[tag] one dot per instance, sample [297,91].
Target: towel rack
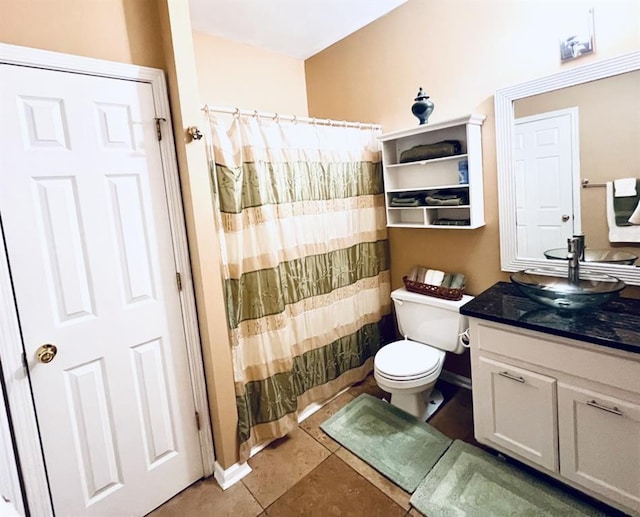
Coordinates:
[586,184]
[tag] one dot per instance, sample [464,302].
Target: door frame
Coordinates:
[18,388]
[574,130]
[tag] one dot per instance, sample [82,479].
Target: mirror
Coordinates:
[597,108]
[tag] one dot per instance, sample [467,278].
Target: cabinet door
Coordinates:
[516,409]
[600,443]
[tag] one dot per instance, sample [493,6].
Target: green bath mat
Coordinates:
[468,481]
[393,442]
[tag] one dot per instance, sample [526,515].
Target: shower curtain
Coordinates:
[306,264]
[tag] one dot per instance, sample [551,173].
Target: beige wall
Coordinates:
[127,31]
[460,52]
[238,75]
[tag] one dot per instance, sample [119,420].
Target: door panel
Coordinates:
[544,183]
[86,225]
[519,411]
[600,443]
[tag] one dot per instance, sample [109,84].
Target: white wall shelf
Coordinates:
[426,177]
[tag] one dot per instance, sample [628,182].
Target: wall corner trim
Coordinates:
[229,477]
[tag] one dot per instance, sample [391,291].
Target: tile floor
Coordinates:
[309,474]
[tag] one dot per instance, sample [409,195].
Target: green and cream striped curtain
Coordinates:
[303,234]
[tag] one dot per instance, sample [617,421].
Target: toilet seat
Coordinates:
[406,360]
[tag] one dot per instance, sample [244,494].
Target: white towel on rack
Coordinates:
[619,233]
[625,187]
[635,216]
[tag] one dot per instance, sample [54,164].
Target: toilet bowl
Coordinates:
[409,368]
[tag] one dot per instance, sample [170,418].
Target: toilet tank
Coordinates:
[433,321]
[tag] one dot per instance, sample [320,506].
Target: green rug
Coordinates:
[468,481]
[398,445]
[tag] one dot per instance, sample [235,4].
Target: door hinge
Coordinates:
[25,363]
[198,420]
[179,281]
[159,127]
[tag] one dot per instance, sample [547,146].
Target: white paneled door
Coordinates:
[86,228]
[544,178]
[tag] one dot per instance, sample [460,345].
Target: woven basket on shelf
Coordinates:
[447,293]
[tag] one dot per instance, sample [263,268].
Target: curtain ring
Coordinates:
[314,121]
[295,119]
[255,114]
[276,118]
[236,113]
[344,123]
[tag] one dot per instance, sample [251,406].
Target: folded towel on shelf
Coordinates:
[443,221]
[406,199]
[445,194]
[431,151]
[456,201]
[618,233]
[625,187]
[624,206]
[404,202]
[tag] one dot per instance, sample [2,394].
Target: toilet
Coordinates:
[410,367]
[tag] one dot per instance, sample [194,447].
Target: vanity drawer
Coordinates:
[606,366]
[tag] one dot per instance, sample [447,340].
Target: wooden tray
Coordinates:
[446,293]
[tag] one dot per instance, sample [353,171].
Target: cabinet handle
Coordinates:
[512,377]
[613,410]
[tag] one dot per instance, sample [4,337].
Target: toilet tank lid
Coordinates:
[408,296]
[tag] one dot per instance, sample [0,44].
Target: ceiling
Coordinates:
[297,28]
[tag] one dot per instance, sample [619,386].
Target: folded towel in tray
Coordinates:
[458,281]
[434,277]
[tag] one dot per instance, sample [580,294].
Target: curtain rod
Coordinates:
[236,112]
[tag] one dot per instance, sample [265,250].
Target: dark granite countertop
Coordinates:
[615,324]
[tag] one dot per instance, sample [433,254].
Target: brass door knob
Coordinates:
[46,353]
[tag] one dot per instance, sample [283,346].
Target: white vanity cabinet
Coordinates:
[568,408]
[600,442]
[518,412]
[427,177]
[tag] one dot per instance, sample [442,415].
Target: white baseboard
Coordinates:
[454,378]
[229,477]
